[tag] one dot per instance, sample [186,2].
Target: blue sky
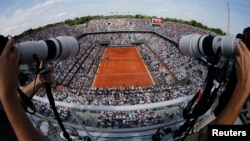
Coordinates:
[17,16]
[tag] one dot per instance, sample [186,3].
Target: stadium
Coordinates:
[128,80]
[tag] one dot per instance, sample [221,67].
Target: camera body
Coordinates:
[59,48]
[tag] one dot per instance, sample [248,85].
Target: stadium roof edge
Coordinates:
[117,32]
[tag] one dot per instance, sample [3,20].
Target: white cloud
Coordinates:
[46,5]
[39,6]
[30,17]
[12,30]
[162,10]
[8,29]
[45,12]
[189,14]
[56,16]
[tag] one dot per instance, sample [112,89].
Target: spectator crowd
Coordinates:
[175,75]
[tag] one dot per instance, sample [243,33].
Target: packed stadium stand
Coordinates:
[124,113]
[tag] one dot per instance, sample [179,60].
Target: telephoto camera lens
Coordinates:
[59,48]
[195,45]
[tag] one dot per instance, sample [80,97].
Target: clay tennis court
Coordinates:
[122,67]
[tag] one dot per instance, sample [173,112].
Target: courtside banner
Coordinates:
[235,132]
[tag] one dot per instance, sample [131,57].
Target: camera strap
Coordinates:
[53,107]
[26,102]
[203,100]
[50,96]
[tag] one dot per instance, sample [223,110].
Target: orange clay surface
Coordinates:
[122,67]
